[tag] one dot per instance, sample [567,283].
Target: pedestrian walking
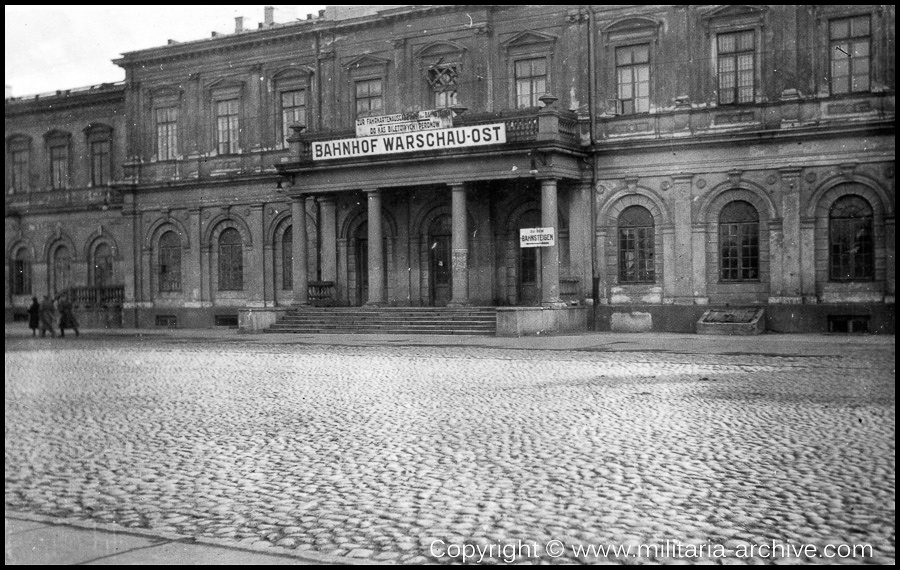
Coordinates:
[48,315]
[34,316]
[67,318]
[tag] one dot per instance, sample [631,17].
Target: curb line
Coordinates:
[305,555]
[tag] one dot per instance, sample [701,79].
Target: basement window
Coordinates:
[230,321]
[848,323]
[166,321]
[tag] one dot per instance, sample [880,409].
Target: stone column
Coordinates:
[328,239]
[683,267]
[792,244]
[460,263]
[376,250]
[130,270]
[550,255]
[257,281]
[191,261]
[300,275]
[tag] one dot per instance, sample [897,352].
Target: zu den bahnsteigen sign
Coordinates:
[537,237]
[457,137]
[403,123]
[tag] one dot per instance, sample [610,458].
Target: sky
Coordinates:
[51,48]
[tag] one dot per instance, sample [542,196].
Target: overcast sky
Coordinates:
[61,47]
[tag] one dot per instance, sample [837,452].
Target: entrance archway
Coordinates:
[441,277]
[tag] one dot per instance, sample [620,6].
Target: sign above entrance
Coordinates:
[537,237]
[403,123]
[458,137]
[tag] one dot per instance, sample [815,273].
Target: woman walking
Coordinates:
[34,316]
[66,316]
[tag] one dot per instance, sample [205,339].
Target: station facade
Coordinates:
[682,157]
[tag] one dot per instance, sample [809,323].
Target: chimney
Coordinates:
[269,15]
[321,13]
[238,24]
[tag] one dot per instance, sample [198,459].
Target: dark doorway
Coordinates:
[440,265]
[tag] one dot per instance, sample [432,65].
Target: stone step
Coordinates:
[388,320]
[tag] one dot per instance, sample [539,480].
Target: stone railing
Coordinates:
[95,296]
[322,293]
[521,126]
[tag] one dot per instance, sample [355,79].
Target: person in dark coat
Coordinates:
[34,316]
[66,316]
[48,315]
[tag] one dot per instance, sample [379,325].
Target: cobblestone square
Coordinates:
[403,452]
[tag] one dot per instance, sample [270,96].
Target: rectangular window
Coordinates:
[531,81]
[100,163]
[736,67]
[167,133]
[18,181]
[851,42]
[739,244]
[443,99]
[636,255]
[59,167]
[633,79]
[369,99]
[293,112]
[227,126]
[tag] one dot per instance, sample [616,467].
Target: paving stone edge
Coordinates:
[306,555]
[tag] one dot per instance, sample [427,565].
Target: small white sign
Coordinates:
[403,123]
[537,237]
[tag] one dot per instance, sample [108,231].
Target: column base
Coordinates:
[459,304]
[553,305]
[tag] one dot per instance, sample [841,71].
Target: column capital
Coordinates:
[457,186]
[326,199]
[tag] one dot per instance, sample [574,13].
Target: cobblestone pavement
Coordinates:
[422,454]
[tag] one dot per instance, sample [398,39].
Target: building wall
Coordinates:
[790,151]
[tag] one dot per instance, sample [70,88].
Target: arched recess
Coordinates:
[20,267]
[61,257]
[223,221]
[819,208]
[280,253]
[151,256]
[520,274]
[609,216]
[710,211]
[354,241]
[103,258]
[431,250]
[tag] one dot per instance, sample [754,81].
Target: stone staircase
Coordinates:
[388,320]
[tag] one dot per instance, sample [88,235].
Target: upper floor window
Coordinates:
[442,78]
[850,240]
[227,126]
[169,269]
[531,81]
[633,79]
[100,162]
[851,42]
[736,66]
[636,246]
[18,165]
[167,133]
[293,111]
[59,166]
[369,97]
[739,242]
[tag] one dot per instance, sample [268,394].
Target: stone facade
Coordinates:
[669,127]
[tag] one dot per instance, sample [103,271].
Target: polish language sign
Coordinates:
[403,123]
[457,137]
[537,237]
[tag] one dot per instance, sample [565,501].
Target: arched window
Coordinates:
[62,269]
[169,262]
[850,240]
[231,261]
[287,259]
[21,273]
[636,263]
[739,242]
[102,270]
